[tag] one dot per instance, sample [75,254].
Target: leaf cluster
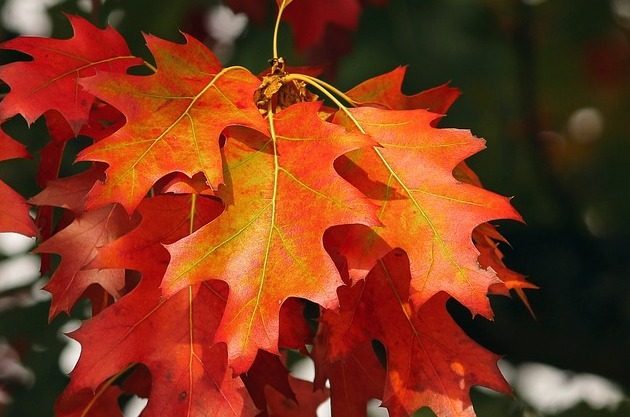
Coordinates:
[220,206]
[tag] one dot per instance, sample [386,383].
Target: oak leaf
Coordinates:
[430,360]
[309,18]
[103,402]
[355,378]
[78,245]
[386,91]
[14,215]
[69,192]
[267,370]
[174,120]
[103,121]
[305,404]
[424,209]
[281,196]
[174,337]
[57,66]
[10,148]
[164,219]
[487,238]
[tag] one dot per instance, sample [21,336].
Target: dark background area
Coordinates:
[546,83]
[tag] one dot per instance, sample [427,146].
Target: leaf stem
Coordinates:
[311,81]
[277,27]
[329,87]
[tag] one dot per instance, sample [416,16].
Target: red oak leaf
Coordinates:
[174,120]
[486,238]
[164,219]
[174,339]
[69,192]
[295,332]
[385,91]
[103,121]
[424,209]
[308,18]
[79,242]
[306,403]
[78,245]
[355,378]
[277,190]
[267,370]
[87,403]
[57,66]
[10,148]
[14,215]
[430,360]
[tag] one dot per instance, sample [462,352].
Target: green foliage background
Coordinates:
[523,69]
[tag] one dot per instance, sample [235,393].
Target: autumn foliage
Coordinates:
[227,219]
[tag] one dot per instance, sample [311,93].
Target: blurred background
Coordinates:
[545,82]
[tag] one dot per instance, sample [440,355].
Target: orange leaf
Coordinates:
[385,90]
[424,209]
[174,120]
[282,194]
[174,339]
[57,66]
[164,219]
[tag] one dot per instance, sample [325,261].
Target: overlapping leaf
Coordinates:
[355,378]
[102,402]
[306,403]
[267,370]
[386,91]
[430,360]
[174,120]
[281,195]
[14,215]
[53,76]
[174,338]
[164,219]
[309,18]
[78,245]
[308,201]
[424,209]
